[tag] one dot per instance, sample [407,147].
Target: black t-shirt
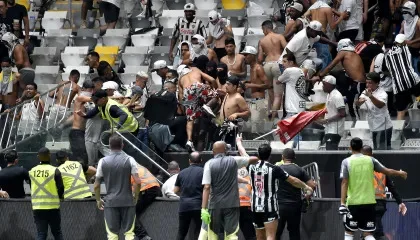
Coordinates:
[368,54]
[6,24]
[189,181]
[17,12]
[287,193]
[11,181]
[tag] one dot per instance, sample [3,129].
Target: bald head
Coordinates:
[219,147]
[195,158]
[367,150]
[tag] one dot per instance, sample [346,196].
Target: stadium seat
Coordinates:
[43,56]
[74,56]
[116,37]
[361,130]
[234,4]
[264,3]
[169,18]
[238,35]
[46,74]
[308,145]
[86,37]
[176,4]
[139,22]
[25,3]
[414,114]
[54,20]
[159,53]
[235,17]
[278,146]
[57,38]
[83,70]
[107,53]
[136,69]
[256,21]
[33,18]
[134,56]
[157,5]
[205,4]
[146,39]
[166,37]
[253,36]
[203,15]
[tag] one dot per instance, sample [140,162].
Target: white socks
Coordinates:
[348,236]
[370,237]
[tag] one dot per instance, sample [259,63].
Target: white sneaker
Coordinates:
[190,146]
[208,110]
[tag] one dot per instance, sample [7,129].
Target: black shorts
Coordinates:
[361,217]
[261,218]
[89,4]
[110,11]
[220,52]
[404,99]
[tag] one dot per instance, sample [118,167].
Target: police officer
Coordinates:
[73,174]
[381,181]
[46,191]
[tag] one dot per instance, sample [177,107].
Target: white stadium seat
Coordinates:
[139,22]
[264,3]
[205,4]
[157,5]
[159,53]
[74,56]
[83,70]
[135,69]
[176,4]
[33,17]
[86,37]
[203,15]
[44,56]
[253,36]
[169,18]
[134,56]
[146,39]
[57,38]
[235,16]
[46,74]
[116,37]
[256,21]
[361,130]
[238,35]
[54,20]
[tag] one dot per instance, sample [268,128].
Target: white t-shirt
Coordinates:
[300,45]
[378,118]
[295,99]
[335,101]
[168,188]
[354,20]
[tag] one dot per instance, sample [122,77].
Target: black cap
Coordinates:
[234,80]
[62,154]
[99,94]
[373,76]
[379,37]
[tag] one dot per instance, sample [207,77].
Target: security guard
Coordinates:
[46,191]
[245,215]
[381,182]
[74,180]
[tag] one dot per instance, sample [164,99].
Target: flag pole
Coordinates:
[262,136]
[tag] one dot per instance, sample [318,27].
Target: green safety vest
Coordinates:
[130,125]
[43,189]
[361,189]
[75,185]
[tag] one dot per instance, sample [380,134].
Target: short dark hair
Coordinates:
[234,80]
[115,142]
[61,155]
[33,84]
[102,67]
[88,84]
[290,57]
[11,156]
[195,157]
[230,41]
[185,43]
[289,154]
[174,72]
[98,79]
[44,154]
[268,24]
[74,72]
[356,144]
[94,54]
[367,149]
[264,151]
[6,59]
[379,37]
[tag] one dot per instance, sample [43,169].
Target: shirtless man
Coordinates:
[234,61]
[193,91]
[258,83]
[63,96]
[272,45]
[219,30]
[410,27]
[77,132]
[19,57]
[233,106]
[296,22]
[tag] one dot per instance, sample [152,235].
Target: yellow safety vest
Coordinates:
[43,189]
[12,76]
[146,178]
[130,125]
[75,185]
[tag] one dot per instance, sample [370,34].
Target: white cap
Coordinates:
[345,45]
[297,6]
[183,70]
[213,15]
[159,65]
[400,38]
[249,50]
[315,25]
[409,7]
[110,85]
[189,7]
[142,74]
[330,79]
[117,95]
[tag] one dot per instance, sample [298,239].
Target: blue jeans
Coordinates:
[45,218]
[414,62]
[143,136]
[323,52]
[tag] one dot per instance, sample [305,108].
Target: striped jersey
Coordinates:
[185,30]
[398,62]
[265,183]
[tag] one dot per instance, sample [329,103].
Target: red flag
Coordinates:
[290,127]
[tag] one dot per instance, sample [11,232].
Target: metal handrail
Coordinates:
[313,172]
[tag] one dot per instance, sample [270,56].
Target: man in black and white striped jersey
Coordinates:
[265,183]
[186,27]
[404,79]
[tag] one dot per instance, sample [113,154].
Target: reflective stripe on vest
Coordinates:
[75,185]
[245,191]
[130,124]
[44,193]
[147,179]
[380,185]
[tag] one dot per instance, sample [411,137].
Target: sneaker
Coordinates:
[83,25]
[208,110]
[189,146]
